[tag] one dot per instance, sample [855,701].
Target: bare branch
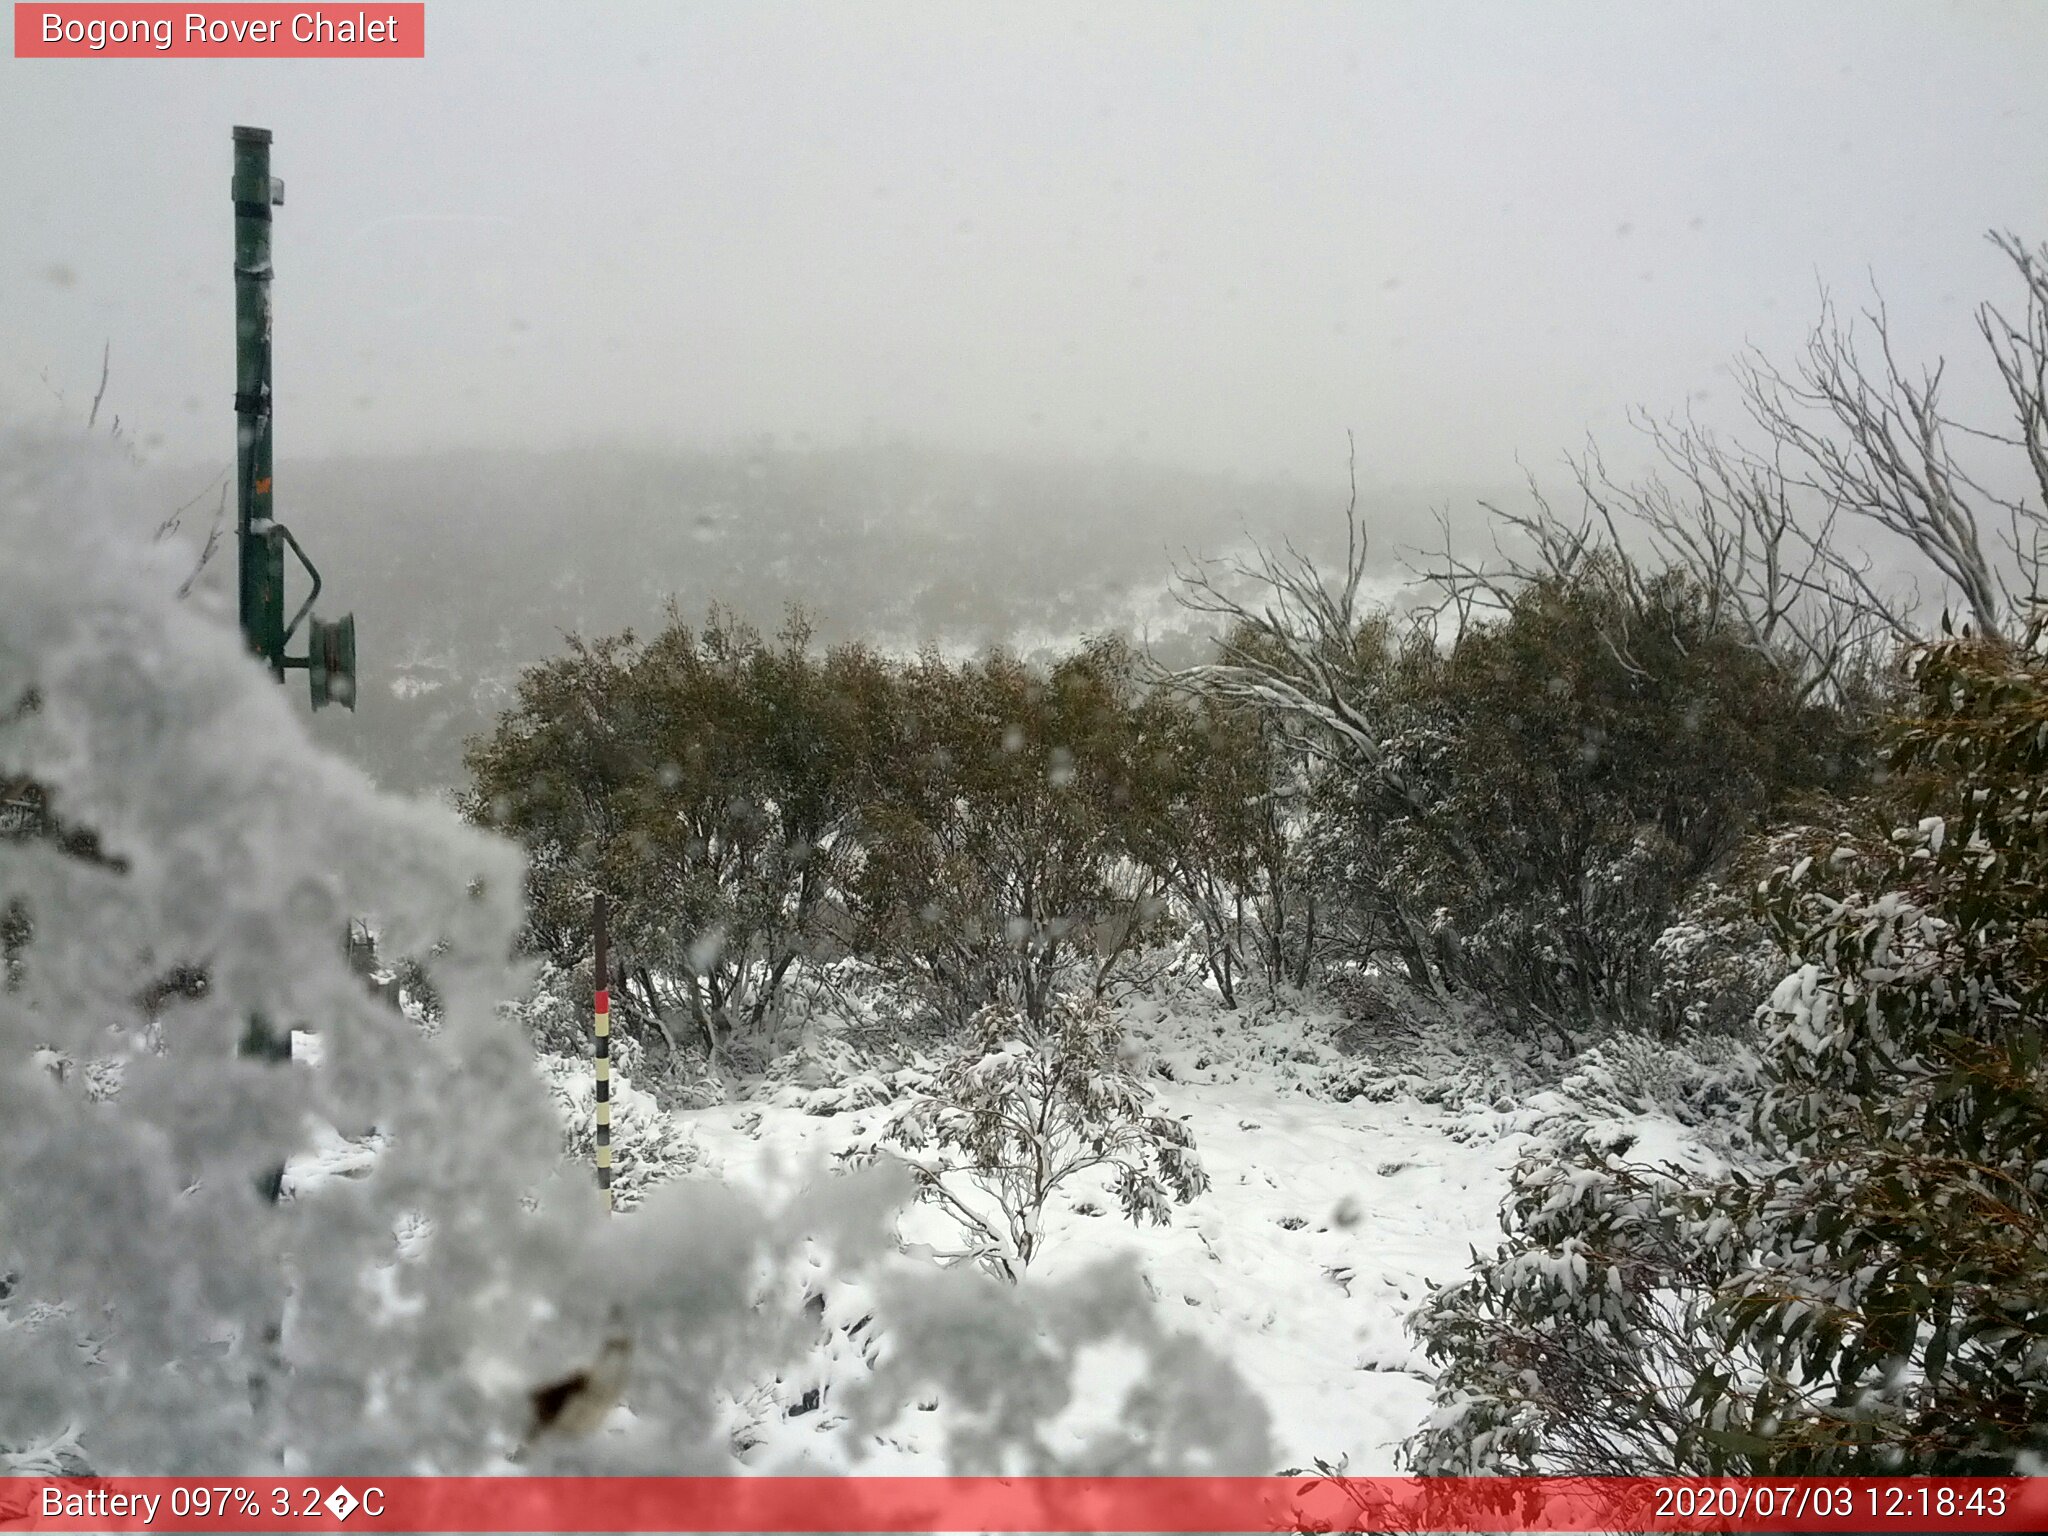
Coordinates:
[106,358]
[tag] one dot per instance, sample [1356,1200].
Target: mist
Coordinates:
[964,324]
[1214,236]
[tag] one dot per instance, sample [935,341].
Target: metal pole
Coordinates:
[261,562]
[261,554]
[602,988]
[260,539]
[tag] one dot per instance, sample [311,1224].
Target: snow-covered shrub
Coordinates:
[1574,1347]
[223,839]
[161,1315]
[1896,1289]
[1468,1062]
[825,1073]
[649,1147]
[1029,1106]
[1382,1013]
[555,1014]
[1709,1081]
[1871,1294]
[1719,960]
[1516,809]
[873,1010]
[1714,965]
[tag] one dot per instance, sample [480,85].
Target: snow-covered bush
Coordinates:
[555,1014]
[222,839]
[1871,1294]
[1707,1082]
[160,1315]
[649,1147]
[1515,808]
[826,1073]
[1714,965]
[1896,1285]
[1574,1347]
[1029,1106]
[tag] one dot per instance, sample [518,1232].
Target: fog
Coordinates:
[1211,236]
[959,325]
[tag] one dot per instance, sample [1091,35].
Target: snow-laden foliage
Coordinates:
[1714,964]
[1029,1106]
[1896,1289]
[555,1014]
[648,1146]
[161,1315]
[1574,1346]
[1870,1294]
[827,1072]
[191,824]
[1512,800]
[1709,1083]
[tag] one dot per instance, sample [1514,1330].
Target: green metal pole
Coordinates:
[260,553]
[260,550]
[260,539]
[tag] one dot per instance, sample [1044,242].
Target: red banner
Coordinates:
[1096,1504]
[260,31]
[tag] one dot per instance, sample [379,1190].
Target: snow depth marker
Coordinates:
[603,1019]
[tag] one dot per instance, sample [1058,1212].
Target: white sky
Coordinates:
[1214,235]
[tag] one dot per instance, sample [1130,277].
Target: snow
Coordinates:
[1325,1223]
[1311,1314]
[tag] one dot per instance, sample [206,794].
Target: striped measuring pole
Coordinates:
[603,1018]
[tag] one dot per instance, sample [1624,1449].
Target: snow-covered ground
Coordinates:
[1342,1184]
[1321,1228]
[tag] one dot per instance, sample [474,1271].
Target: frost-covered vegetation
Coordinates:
[1660,880]
[161,1314]
[1867,1292]
[1028,1108]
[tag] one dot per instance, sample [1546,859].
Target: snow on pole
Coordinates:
[603,1017]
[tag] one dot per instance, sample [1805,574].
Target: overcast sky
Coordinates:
[1212,235]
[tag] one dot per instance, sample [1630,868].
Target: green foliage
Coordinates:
[980,832]
[1541,798]
[1569,772]
[1222,821]
[706,781]
[1873,1297]
[996,829]
[1573,1347]
[1898,1292]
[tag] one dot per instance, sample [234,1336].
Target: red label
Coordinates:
[604,1000]
[900,1505]
[373,31]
